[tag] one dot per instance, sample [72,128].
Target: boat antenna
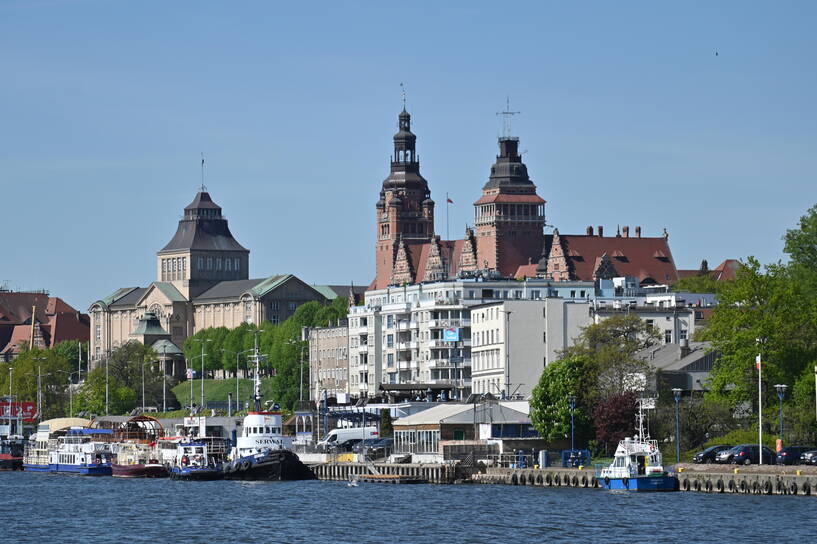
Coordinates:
[257,395]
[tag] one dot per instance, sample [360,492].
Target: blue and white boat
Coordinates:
[194,462]
[82,451]
[637,466]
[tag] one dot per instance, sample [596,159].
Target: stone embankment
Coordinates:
[435,474]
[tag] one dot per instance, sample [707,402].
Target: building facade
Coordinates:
[329,363]
[202,281]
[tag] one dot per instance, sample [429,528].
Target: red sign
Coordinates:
[26,410]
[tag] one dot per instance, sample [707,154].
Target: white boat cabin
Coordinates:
[261,431]
[635,457]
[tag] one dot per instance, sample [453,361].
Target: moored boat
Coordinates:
[135,460]
[11,452]
[193,462]
[637,466]
[82,451]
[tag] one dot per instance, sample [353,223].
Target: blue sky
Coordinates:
[628,117]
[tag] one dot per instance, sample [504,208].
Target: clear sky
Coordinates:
[628,117]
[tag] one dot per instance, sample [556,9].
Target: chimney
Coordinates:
[601,231]
[685,350]
[590,231]
[625,231]
[638,232]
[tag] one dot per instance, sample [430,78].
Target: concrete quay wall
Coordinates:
[435,474]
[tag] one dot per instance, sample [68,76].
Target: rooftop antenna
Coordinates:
[203,187]
[507,115]
[403,93]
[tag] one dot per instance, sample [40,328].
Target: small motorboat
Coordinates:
[194,463]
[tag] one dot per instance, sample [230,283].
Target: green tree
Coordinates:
[702,283]
[91,396]
[550,411]
[53,370]
[386,428]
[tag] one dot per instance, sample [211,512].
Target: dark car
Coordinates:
[708,455]
[749,454]
[809,457]
[375,448]
[791,455]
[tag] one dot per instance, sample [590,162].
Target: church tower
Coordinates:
[203,251]
[510,216]
[405,211]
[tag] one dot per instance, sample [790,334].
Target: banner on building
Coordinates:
[451,334]
[25,410]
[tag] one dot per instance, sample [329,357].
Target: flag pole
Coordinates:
[759,411]
[447,203]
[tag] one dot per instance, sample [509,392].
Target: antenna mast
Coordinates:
[203,187]
[507,115]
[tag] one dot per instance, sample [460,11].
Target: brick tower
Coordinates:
[405,210]
[510,216]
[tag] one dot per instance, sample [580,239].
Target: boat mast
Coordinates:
[257,395]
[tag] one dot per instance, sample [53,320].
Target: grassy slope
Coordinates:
[218,389]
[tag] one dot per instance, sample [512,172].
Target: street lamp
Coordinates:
[203,341]
[294,342]
[571,401]
[781,392]
[143,384]
[677,394]
[237,354]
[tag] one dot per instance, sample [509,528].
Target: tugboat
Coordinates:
[194,463]
[262,452]
[12,443]
[637,465]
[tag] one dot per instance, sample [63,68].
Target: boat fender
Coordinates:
[574,482]
[793,488]
[732,486]
[557,480]
[708,486]
[584,481]
[719,486]
[767,487]
[779,487]
[626,482]
[607,481]
[685,485]
[743,487]
[755,488]
[549,480]
[697,485]
[245,465]
[806,488]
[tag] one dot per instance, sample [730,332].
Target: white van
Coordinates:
[339,437]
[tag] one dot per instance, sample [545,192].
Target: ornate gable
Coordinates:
[604,269]
[468,257]
[435,263]
[558,265]
[402,271]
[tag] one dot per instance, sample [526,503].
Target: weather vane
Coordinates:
[403,93]
[507,115]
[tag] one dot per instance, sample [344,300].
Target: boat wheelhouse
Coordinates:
[194,461]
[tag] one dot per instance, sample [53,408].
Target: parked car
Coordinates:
[375,448]
[748,454]
[791,454]
[725,456]
[809,458]
[708,455]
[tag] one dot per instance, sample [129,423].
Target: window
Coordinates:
[573,294]
[650,324]
[535,294]
[292,306]
[228,264]
[273,305]
[209,263]
[390,341]
[389,321]
[237,264]
[667,336]
[581,293]
[218,263]
[517,294]
[390,359]
[682,334]
[200,263]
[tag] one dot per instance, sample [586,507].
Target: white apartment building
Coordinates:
[421,334]
[514,340]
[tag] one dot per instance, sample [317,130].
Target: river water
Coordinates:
[64,509]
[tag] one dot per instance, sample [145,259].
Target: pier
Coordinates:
[387,472]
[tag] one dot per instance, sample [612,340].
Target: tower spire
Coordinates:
[203,188]
[403,93]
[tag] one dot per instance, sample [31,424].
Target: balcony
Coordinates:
[453,322]
[414,325]
[403,326]
[363,348]
[362,330]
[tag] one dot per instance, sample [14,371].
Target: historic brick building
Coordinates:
[507,239]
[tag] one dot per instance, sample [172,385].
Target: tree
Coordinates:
[53,370]
[702,283]
[612,345]
[550,412]
[615,419]
[801,243]
[386,428]
[91,396]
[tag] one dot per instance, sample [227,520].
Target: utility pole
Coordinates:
[759,410]
[507,391]
[107,364]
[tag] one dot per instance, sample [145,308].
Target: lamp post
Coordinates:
[237,355]
[506,393]
[70,392]
[301,369]
[571,401]
[107,364]
[203,341]
[781,393]
[677,394]
[143,384]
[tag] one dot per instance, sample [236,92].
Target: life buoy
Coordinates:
[626,482]
[767,487]
[185,460]
[97,461]
[719,486]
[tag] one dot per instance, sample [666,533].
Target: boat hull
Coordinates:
[280,465]
[139,471]
[85,470]
[640,483]
[7,462]
[201,474]
[29,467]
